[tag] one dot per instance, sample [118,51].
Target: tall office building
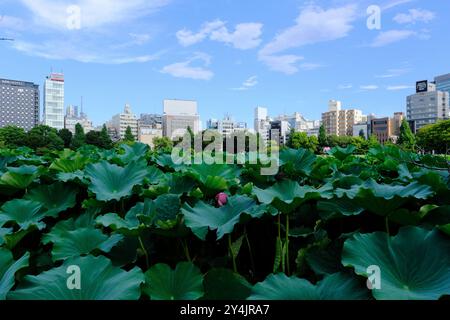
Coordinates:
[54,101]
[338,121]
[262,123]
[443,83]
[179,115]
[19,104]
[120,122]
[427,105]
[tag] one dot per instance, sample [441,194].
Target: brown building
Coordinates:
[387,129]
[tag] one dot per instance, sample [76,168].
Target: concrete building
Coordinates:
[361,126]
[338,121]
[300,124]
[179,115]
[120,122]
[226,126]
[387,129]
[262,124]
[54,101]
[150,126]
[19,104]
[72,118]
[427,105]
[280,131]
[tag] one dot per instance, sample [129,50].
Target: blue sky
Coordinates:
[229,55]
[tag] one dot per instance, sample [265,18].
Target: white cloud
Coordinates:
[345,86]
[394,3]
[185,69]
[369,87]
[415,15]
[313,25]
[282,63]
[187,38]
[94,13]
[67,51]
[391,36]
[392,73]
[11,23]
[247,84]
[245,36]
[399,87]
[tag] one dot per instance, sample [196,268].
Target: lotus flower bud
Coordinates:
[222,199]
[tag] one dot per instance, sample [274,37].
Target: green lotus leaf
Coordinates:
[224,284]
[130,225]
[111,182]
[71,176]
[133,152]
[383,199]
[183,283]
[161,212]
[338,286]
[56,198]
[342,153]
[25,213]
[165,160]
[289,195]
[71,164]
[80,241]
[19,178]
[215,177]
[202,216]
[99,280]
[295,161]
[8,269]
[3,233]
[414,264]
[344,206]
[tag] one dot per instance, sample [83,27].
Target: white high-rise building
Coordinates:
[262,123]
[300,124]
[427,106]
[179,115]
[54,101]
[120,122]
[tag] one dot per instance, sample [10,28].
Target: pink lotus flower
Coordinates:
[222,199]
[326,149]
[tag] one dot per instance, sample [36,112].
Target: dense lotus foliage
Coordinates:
[138,226]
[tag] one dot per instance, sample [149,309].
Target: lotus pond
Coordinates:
[129,224]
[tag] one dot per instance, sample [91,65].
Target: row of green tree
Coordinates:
[45,137]
[431,138]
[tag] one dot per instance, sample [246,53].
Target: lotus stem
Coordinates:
[231,253]
[387,225]
[252,261]
[186,249]
[147,260]
[287,245]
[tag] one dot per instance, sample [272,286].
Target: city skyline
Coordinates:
[232,62]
